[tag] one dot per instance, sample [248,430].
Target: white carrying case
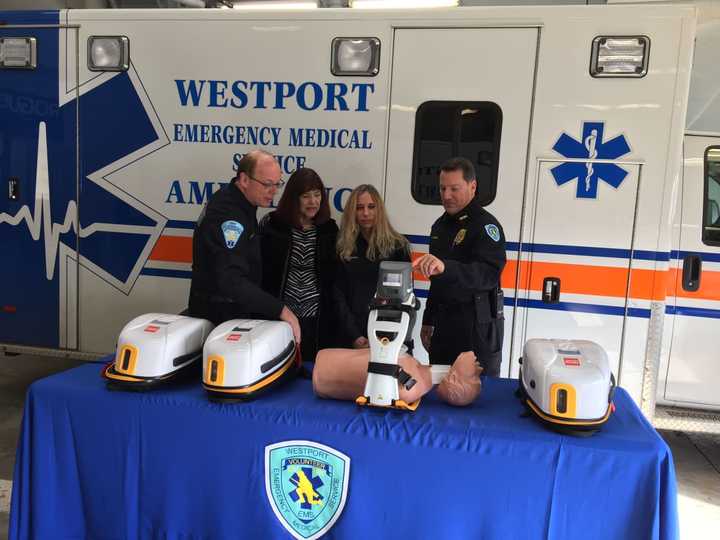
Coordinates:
[155,347]
[244,357]
[567,383]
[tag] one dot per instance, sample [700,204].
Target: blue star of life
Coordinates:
[591,146]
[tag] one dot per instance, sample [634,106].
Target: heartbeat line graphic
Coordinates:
[40,220]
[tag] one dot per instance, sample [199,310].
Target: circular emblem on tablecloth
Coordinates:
[306,484]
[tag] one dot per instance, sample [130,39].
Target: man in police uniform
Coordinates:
[464,309]
[227,268]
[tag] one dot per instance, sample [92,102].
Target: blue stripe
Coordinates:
[561,249]
[161,272]
[418,239]
[178,224]
[585,308]
[693,312]
[578,250]
[638,312]
[567,306]
[642,255]
[704,255]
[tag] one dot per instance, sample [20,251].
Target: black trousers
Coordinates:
[457,330]
[309,337]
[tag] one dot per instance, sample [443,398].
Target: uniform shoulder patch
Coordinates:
[493,231]
[232,230]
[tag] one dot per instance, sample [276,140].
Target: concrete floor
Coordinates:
[697,456]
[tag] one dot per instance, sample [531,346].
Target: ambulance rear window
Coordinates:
[711,212]
[445,129]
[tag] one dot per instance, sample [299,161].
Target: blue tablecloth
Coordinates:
[169,464]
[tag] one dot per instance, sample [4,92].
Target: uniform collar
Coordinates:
[466,213]
[240,198]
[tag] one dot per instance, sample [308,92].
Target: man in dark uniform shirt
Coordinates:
[227,266]
[464,309]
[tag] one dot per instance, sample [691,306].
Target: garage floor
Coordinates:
[697,456]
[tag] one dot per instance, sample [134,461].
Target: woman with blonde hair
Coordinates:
[366,238]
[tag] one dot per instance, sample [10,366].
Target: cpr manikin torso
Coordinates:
[341,374]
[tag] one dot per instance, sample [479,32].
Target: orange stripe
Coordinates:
[574,278]
[580,278]
[584,279]
[172,249]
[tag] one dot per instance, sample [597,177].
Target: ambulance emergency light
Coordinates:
[355,56]
[619,56]
[108,53]
[18,53]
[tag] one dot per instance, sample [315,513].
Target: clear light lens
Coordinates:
[356,56]
[108,53]
[620,56]
[17,52]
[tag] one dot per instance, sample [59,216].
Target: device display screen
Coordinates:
[392,280]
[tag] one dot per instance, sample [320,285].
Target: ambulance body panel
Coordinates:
[588,169]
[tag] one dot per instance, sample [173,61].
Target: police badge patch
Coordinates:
[231,232]
[459,237]
[306,484]
[493,231]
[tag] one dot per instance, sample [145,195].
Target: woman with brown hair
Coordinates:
[299,262]
[366,238]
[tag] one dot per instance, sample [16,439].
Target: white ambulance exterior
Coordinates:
[107,171]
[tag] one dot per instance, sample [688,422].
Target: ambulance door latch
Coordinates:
[692,266]
[551,290]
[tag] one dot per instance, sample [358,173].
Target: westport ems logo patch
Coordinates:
[306,484]
[231,232]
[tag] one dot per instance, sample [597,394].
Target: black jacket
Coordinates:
[354,289]
[276,238]
[471,243]
[227,268]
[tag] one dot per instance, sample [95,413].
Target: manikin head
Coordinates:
[461,385]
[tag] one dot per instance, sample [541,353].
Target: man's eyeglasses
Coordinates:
[266,184]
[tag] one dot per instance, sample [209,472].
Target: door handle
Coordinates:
[551,290]
[692,268]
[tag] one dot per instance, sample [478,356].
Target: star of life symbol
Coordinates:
[112,204]
[590,147]
[306,484]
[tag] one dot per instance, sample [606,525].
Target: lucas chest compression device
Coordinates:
[567,384]
[243,358]
[154,348]
[390,325]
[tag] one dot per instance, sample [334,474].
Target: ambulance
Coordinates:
[116,126]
